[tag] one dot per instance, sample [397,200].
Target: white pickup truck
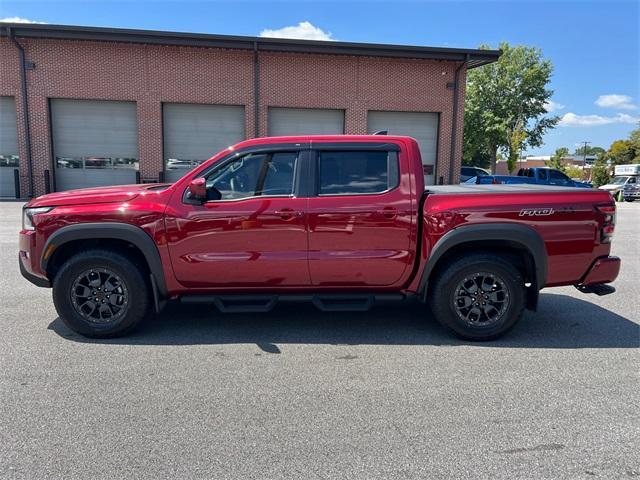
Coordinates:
[626,183]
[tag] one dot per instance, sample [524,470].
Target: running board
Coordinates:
[357,302]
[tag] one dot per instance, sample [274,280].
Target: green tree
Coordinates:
[517,137]
[621,152]
[600,172]
[573,171]
[634,143]
[556,159]
[505,104]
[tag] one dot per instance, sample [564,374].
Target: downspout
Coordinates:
[454,121]
[256,90]
[25,107]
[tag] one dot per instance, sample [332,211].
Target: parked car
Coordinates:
[534,175]
[341,221]
[468,172]
[625,184]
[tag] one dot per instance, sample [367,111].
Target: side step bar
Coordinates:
[599,289]
[357,302]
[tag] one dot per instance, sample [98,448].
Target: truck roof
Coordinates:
[321,138]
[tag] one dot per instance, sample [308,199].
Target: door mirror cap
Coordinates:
[198,189]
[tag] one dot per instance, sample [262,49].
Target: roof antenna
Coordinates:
[381,132]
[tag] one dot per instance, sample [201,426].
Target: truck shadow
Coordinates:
[561,322]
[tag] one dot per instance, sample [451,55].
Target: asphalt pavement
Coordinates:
[296,393]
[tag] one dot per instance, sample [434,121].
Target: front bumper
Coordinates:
[635,194]
[603,270]
[38,281]
[29,259]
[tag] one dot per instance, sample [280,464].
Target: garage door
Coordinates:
[95,143]
[421,126]
[8,146]
[305,121]
[193,133]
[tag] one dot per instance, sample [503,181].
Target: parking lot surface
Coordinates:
[301,394]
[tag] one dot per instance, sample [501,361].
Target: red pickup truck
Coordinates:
[341,221]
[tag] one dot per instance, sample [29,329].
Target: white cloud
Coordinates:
[618,102]
[18,20]
[552,106]
[572,120]
[304,30]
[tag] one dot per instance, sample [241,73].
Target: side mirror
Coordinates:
[198,189]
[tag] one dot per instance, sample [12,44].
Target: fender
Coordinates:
[525,236]
[113,230]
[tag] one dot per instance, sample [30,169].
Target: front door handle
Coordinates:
[288,213]
[388,212]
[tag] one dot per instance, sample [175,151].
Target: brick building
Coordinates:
[83,106]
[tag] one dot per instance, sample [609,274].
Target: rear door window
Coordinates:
[558,176]
[357,172]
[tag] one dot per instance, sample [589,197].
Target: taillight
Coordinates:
[608,223]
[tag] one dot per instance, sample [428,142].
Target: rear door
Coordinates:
[360,216]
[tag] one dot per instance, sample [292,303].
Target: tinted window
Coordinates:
[632,180]
[255,174]
[470,172]
[541,173]
[278,178]
[356,172]
[556,175]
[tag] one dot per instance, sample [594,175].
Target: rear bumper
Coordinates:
[603,270]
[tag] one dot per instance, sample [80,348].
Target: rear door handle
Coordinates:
[288,213]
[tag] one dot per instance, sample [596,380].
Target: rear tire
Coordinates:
[101,294]
[479,296]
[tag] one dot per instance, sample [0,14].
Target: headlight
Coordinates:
[28,213]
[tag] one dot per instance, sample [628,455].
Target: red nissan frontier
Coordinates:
[340,220]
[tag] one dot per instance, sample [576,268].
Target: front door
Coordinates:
[361,219]
[255,235]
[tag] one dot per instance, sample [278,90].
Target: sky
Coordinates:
[594,45]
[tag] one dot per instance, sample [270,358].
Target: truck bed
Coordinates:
[497,188]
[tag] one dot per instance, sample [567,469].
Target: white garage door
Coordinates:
[421,126]
[95,143]
[305,121]
[8,146]
[193,133]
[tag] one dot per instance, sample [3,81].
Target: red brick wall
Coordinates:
[150,75]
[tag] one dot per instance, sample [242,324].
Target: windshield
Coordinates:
[619,180]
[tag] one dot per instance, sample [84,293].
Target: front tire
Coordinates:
[478,296]
[101,294]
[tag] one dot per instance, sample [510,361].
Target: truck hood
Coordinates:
[610,186]
[119,193]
